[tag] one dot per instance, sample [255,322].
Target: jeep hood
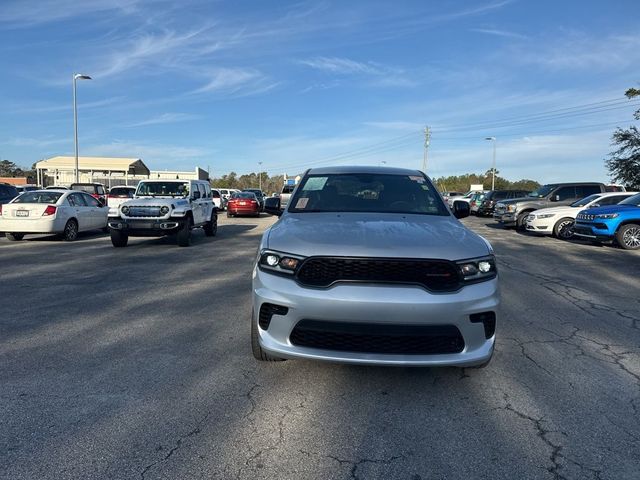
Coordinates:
[157,201]
[375,235]
[612,209]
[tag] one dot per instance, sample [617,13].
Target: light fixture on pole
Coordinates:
[493,164]
[260,174]
[77,76]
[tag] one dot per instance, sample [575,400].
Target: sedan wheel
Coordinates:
[70,232]
[15,237]
[628,236]
[564,228]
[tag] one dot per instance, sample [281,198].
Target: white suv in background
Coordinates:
[558,221]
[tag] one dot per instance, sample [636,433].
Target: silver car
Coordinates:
[368,265]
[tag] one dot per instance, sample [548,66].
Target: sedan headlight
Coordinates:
[124,209]
[478,269]
[279,262]
[605,216]
[545,215]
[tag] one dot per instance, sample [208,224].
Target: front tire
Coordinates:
[211,227]
[14,237]
[521,222]
[184,234]
[562,228]
[119,239]
[258,352]
[70,232]
[628,236]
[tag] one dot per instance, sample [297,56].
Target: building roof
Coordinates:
[132,166]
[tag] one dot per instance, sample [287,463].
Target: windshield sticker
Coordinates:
[302,202]
[416,178]
[315,183]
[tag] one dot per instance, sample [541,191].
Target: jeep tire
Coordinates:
[184,234]
[211,227]
[628,236]
[119,239]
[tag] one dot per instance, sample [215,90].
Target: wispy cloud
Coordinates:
[399,125]
[35,108]
[500,33]
[166,118]
[236,82]
[342,66]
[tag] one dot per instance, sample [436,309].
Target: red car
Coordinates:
[243,203]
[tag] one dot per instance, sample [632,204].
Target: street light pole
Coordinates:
[77,76]
[493,164]
[260,174]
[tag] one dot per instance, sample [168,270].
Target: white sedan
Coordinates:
[558,221]
[64,212]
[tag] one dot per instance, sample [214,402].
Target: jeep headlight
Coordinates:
[279,262]
[606,216]
[125,210]
[164,210]
[545,215]
[478,269]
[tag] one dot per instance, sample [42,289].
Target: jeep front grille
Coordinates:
[146,212]
[585,216]
[434,275]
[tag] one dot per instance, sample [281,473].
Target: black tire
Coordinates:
[521,221]
[229,215]
[562,228]
[211,227]
[70,232]
[105,229]
[258,352]
[184,234]
[119,239]
[628,236]
[14,237]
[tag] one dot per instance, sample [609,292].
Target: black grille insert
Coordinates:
[376,338]
[267,311]
[435,275]
[488,320]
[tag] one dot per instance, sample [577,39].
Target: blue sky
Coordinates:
[228,84]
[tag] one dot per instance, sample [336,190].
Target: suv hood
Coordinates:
[375,235]
[157,201]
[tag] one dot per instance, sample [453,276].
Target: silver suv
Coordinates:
[164,207]
[368,265]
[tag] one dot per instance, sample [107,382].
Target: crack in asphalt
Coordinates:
[179,443]
[355,464]
[574,295]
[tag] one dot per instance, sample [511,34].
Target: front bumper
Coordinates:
[592,231]
[146,227]
[379,304]
[543,226]
[508,218]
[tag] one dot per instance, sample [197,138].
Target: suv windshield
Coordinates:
[635,201]
[542,191]
[586,200]
[169,189]
[368,192]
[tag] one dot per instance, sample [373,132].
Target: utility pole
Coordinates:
[260,173]
[427,141]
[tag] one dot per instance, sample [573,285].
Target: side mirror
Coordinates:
[272,206]
[460,209]
[196,195]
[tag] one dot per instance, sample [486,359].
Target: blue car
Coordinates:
[619,222]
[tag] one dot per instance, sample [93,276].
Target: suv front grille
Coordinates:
[144,211]
[435,275]
[377,338]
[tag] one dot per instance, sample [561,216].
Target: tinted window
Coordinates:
[163,188]
[207,190]
[203,193]
[248,195]
[366,192]
[565,193]
[542,191]
[500,195]
[38,197]
[8,191]
[584,201]
[584,190]
[83,188]
[288,188]
[100,190]
[635,200]
[121,192]
[76,200]
[215,194]
[90,201]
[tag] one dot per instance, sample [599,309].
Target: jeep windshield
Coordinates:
[162,189]
[542,191]
[633,201]
[368,192]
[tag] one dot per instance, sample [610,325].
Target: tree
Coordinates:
[9,169]
[624,163]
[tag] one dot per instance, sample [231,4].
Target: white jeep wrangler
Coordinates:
[165,207]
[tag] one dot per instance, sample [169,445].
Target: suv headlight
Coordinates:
[605,216]
[279,262]
[511,208]
[478,269]
[124,209]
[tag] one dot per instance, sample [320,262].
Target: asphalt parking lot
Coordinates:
[135,363]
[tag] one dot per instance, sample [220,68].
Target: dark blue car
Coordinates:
[619,222]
